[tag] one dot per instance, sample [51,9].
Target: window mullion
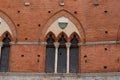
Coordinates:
[1,44]
[68,56]
[56,44]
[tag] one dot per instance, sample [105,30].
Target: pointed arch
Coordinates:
[62,34]
[52,34]
[74,34]
[10,23]
[68,15]
[4,35]
[62,56]
[50,52]
[5,52]
[74,52]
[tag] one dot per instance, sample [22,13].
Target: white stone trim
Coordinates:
[4,27]
[99,43]
[56,56]
[1,44]
[29,43]
[70,28]
[68,56]
[81,43]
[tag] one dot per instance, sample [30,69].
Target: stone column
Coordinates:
[1,44]
[56,56]
[68,56]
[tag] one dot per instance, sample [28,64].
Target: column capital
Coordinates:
[1,43]
[56,44]
[68,44]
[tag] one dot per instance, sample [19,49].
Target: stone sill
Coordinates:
[60,74]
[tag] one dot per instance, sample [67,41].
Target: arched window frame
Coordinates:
[62,50]
[77,37]
[6,44]
[60,35]
[74,52]
[50,55]
[53,35]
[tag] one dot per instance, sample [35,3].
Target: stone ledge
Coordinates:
[60,74]
[44,76]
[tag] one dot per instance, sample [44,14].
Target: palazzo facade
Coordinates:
[68,36]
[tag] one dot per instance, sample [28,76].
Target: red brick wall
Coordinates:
[30,58]
[91,21]
[92,58]
[98,57]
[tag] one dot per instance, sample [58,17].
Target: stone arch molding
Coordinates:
[7,25]
[73,26]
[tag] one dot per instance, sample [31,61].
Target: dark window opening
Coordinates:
[50,54]
[62,55]
[5,54]
[74,50]
[62,40]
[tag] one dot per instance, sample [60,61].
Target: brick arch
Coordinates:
[77,36]
[68,15]
[10,23]
[50,33]
[60,34]
[9,35]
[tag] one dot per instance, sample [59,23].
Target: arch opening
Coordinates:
[5,51]
[50,54]
[7,25]
[68,33]
[74,53]
[73,25]
[62,56]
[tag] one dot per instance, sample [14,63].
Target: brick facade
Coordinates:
[96,23]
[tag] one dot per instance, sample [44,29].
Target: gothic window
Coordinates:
[5,54]
[50,54]
[74,50]
[65,53]
[62,56]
